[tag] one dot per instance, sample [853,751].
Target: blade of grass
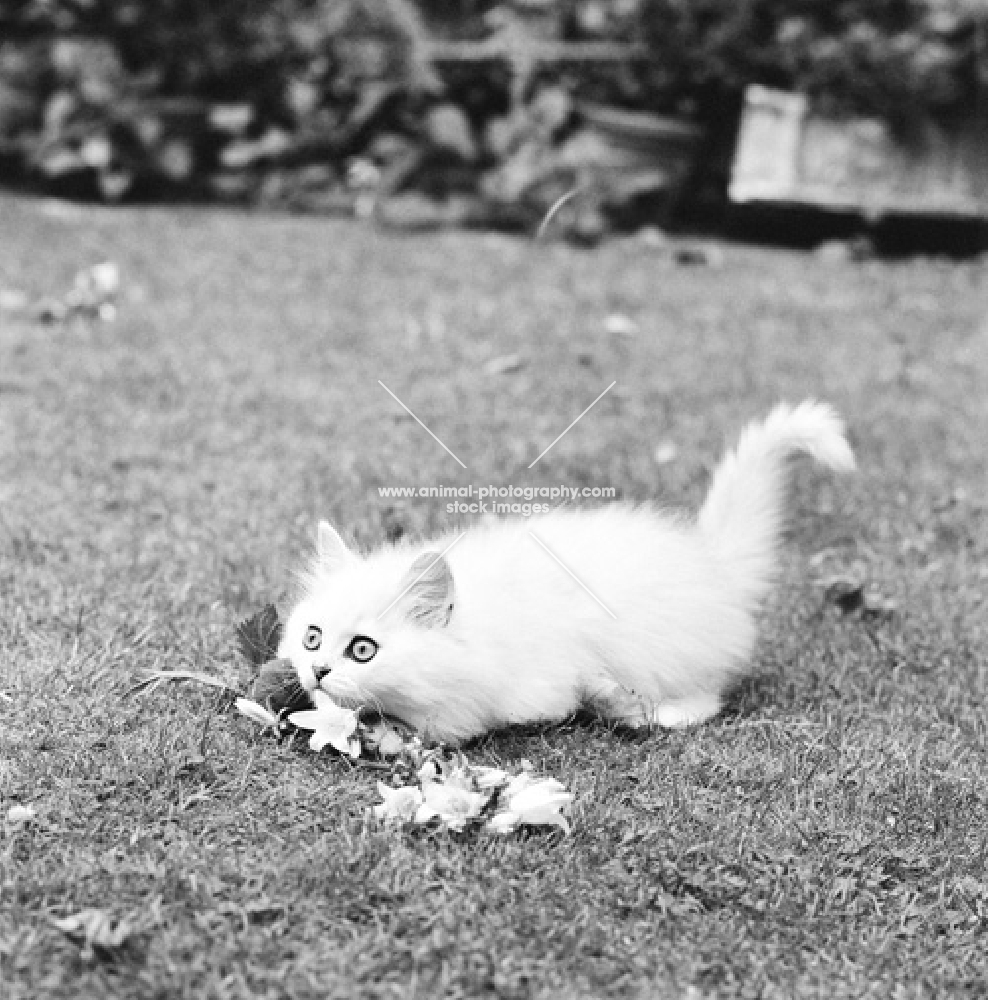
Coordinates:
[156,677]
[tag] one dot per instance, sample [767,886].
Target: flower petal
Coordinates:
[429,771]
[399,805]
[424,813]
[391,744]
[330,724]
[503,822]
[454,804]
[489,777]
[539,802]
[255,711]
[536,797]
[322,700]
[305,719]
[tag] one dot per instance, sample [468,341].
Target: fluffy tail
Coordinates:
[743,514]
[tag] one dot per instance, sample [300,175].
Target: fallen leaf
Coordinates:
[50,311]
[846,251]
[852,596]
[697,255]
[91,295]
[505,364]
[654,238]
[846,592]
[620,325]
[12,300]
[63,211]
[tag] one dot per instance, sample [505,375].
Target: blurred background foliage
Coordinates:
[240,98]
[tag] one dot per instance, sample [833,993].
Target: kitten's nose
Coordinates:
[321,672]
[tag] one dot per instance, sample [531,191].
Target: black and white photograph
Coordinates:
[493,499]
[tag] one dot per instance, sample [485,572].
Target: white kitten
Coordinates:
[648,622]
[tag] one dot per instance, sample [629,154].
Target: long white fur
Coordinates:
[526,642]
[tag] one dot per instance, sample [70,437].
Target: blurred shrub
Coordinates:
[115,96]
[106,96]
[893,58]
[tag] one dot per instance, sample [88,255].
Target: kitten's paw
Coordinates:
[612,701]
[686,711]
[627,707]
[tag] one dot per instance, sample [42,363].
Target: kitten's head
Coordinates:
[372,631]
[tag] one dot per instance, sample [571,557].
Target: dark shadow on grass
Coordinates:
[513,740]
[749,697]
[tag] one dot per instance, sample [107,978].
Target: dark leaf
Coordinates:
[258,636]
[852,596]
[277,687]
[847,594]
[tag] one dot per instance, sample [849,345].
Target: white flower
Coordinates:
[461,776]
[453,804]
[400,804]
[257,712]
[503,822]
[532,802]
[330,724]
[441,765]
[391,744]
[489,777]
[381,737]
[429,771]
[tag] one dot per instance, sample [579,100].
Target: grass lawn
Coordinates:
[161,475]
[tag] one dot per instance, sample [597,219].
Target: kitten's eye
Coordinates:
[361,649]
[313,637]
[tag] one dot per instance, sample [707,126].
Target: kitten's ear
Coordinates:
[331,550]
[428,599]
